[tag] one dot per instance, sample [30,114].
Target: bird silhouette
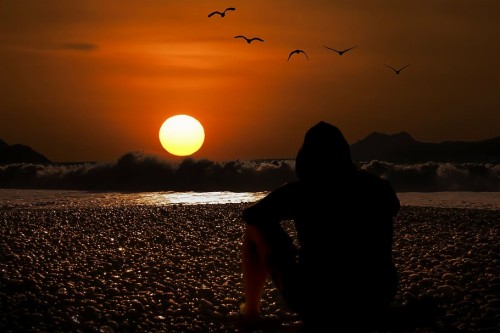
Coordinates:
[222,14]
[397,71]
[341,52]
[249,40]
[297,52]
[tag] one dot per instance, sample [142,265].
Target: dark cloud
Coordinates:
[84,47]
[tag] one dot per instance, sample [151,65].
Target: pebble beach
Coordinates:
[177,269]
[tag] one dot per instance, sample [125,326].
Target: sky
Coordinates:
[87,80]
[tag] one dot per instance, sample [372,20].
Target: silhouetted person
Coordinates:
[342,273]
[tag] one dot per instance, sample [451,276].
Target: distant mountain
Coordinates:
[403,148]
[18,153]
[397,148]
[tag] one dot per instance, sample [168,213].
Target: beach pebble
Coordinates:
[177,269]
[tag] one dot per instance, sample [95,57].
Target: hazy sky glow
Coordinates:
[91,80]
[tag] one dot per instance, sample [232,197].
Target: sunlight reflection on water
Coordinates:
[196,198]
[13,198]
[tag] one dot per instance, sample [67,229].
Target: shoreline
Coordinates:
[176,268]
[45,199]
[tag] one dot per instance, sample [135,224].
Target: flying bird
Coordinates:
[397,70]
[341,52]
[222,14]
[249,40]
[297,52]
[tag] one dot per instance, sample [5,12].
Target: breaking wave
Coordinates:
[141,172]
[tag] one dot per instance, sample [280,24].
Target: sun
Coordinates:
[182,135]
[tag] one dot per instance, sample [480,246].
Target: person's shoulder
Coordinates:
[289,185]
[380,190]
[284,191]
[369,177]
[372,180]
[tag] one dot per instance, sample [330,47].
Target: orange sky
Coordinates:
[87,80]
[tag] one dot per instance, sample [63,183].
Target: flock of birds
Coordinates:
[340,52]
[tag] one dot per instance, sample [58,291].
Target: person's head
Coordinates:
[325,153]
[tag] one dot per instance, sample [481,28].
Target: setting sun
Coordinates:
[181,135]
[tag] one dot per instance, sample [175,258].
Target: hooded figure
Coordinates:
[343,218]
[324,153]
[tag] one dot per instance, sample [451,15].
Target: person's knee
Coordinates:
[254,242]
[254,237]
[252,232]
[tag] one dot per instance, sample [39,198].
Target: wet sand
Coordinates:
[177,269]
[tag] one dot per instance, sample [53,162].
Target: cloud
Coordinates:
[83,47]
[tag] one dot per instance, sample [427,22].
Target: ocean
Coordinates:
[141,179]
[29,199]
[136,172]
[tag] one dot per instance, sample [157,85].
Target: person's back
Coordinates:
[343,219]
[345,234]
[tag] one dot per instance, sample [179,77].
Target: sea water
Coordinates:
[19,199]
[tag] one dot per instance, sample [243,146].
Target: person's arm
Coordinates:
[391,200]
[271,209]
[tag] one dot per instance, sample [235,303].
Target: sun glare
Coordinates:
[182,135]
